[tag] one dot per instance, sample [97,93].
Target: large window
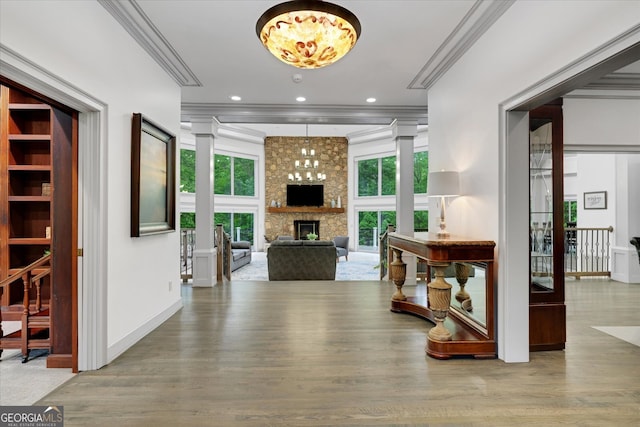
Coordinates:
[373,223]
[239,225]
[420,172]
[187,171]
[233,176]
[235,173]
[222,174]
[377,177]
[187,220]
[570,212]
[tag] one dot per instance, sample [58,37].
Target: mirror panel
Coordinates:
[469,292]
[541,205]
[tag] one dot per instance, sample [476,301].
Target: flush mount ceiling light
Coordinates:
[308,33]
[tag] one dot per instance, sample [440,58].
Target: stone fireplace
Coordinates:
[302,227]
[280,155]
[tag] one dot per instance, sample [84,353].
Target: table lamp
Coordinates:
[443,184]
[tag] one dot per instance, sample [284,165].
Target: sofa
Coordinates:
[240,254]
[301,260]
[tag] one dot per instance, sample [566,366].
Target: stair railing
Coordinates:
[383,250]
[587,251]
[29,277]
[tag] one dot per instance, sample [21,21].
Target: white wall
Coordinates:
[529,43]
[591,123]
[81,44]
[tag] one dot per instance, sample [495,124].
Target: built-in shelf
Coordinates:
[302,209]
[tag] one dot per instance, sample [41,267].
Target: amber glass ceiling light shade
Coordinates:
[308,33]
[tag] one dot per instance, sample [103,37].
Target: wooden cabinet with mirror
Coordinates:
[547,311]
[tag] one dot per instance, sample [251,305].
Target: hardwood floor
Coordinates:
[332,354]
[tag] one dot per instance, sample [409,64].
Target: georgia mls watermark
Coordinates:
[31,416]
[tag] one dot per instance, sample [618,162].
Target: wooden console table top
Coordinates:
[428,246]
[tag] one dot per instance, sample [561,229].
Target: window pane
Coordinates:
[367,220]
[243,177]
[245,222]
[187,171]
[420,172]
[223,218]
[368,177]
[388,176]
[387,218]
[420,220]
[187,220]
[222,174]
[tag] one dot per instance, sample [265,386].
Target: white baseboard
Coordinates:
[127,342]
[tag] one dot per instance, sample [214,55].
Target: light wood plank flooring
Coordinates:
[332,354]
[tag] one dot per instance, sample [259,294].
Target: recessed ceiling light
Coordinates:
[235,98]
[371,100]
[301,99]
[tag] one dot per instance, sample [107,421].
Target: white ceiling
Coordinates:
[211,49]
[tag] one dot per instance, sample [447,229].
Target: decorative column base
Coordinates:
[204,268]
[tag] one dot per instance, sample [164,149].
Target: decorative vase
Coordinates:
[339,202]
[333,203]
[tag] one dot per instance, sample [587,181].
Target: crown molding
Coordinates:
[311,114]
[616,81]
[475,23]
[130,15]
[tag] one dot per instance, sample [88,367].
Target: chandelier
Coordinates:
[308,33]
[308,168]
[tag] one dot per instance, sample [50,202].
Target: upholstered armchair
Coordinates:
[342,247]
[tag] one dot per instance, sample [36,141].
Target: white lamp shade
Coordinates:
[443,184]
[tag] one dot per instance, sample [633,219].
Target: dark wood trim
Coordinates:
[304,209]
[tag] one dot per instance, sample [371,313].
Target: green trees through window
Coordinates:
[377,177]
[235,173]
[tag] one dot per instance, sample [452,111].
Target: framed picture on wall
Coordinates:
[153,172]
[595,200]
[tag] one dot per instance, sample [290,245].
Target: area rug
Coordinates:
[630,334]
[361,266]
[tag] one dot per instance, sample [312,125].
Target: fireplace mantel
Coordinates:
[309,209]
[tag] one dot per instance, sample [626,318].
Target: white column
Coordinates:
[405,133]
[204,254]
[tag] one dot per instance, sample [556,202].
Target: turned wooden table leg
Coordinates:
[398,270]
[462,275]
[439,300]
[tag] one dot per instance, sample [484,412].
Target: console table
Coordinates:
[457,332]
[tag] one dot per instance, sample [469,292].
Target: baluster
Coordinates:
[38,296]
[26,281]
